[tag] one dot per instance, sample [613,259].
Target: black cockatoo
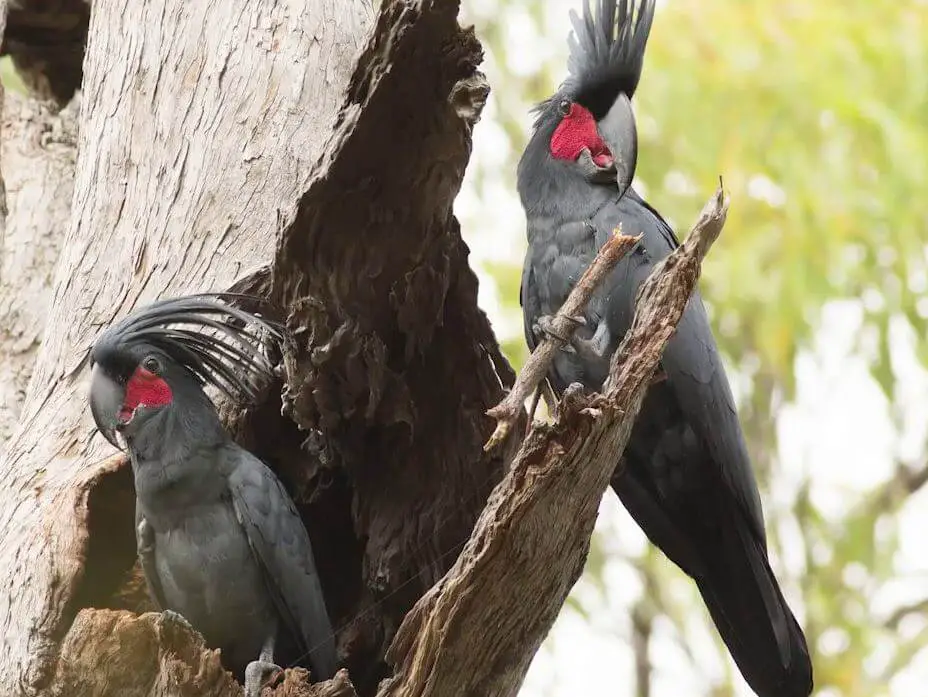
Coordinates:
[219,539]
[685,475]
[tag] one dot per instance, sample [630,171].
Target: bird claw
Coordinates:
[145,538]
[256,676]
[544,328]
[175,618]
[588,348]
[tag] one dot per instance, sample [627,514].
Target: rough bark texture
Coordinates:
[110,652]
[38,149]
[393,361]
[200,123]
[207,134]
[200,127]
[467,636]
[119,653]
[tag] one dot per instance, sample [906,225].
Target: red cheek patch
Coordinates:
[576,131]
[144,388]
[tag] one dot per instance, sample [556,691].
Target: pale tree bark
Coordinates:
[38,148]
[199,128]
[200,122]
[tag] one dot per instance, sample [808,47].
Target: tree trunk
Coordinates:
[37,152]
[300,150]
[206,137]
[38,149]
[201,123]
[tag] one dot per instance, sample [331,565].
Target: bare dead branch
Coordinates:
[469,634]
[532,409]
[892,493]
[903,655]
[509,410]
[919,607]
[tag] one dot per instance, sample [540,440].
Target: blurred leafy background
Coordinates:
[816,114]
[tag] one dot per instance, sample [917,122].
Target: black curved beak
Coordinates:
[618,130]
[106,399]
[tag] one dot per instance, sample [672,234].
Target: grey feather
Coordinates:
[145,544]
[687,478]
[282,548]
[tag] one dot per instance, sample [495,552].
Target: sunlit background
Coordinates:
[816,114]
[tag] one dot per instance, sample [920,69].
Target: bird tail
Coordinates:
[751,614]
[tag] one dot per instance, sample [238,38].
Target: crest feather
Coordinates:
[220,344]
[606,55]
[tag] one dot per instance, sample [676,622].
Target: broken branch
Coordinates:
[563,326]
[471,634]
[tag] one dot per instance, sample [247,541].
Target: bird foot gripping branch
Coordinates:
[562,326]
[703,234]
[545,325]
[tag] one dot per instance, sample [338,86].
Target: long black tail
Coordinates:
[718,549]
[751,614]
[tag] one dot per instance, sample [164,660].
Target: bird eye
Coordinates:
[564,107]
[152,365]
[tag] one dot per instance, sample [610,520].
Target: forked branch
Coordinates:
[563,325]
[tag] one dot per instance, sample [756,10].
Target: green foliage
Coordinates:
[816,115]
[9,78]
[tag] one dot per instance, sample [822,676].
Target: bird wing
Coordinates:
[145,544]
[557,257]
[529,302]
[694,369]
[691,359]
[282,548]
[689,484]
